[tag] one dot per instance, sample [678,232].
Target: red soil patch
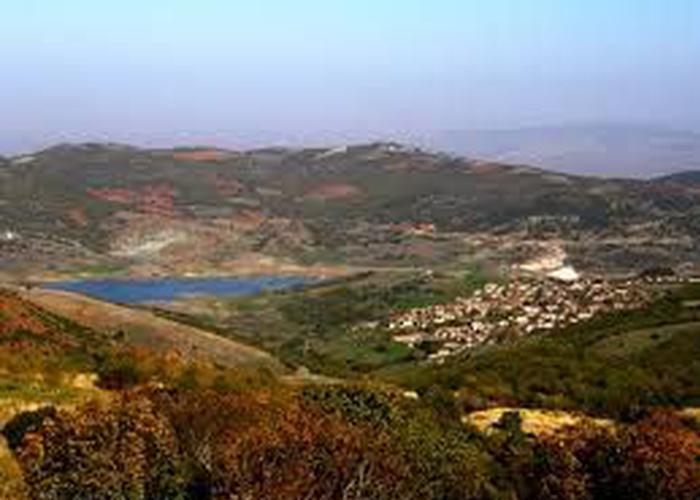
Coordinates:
[77,217]
[201,155]
[486,168]
[158,200]
[248,219]
[334,192]
[114,195]
[225,186]
[155,199]
[406,166]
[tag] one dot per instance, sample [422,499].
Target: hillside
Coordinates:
[616,364]
[607,150]
[100,208]
[140,328]
[170,402]
[688,177]
[161,427]
[25,328]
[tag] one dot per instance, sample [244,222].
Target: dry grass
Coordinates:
[12,485]
[145,329]
[693,413]
[534,421]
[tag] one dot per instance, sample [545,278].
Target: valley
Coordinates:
[360,250]
[475,313]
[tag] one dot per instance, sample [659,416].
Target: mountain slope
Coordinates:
[110,208]
[142,328]
[607,150]
[690,176]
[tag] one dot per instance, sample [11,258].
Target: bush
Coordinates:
[116,450]
[24,423]
[657,457]
[444,459]
[199,419]
[264,444]
[120,370]
[297,454]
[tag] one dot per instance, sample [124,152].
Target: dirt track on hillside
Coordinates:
[143,328]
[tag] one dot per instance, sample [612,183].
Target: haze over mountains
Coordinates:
[609,150]
[600,149]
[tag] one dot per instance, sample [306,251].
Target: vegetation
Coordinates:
[333,329]
[364,206]
[615,365]
[120,450]
[343,441]
[162,425]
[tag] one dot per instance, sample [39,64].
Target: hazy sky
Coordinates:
[174,70]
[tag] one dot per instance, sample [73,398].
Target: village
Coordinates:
[499,312]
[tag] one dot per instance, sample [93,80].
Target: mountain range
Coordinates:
[197,210]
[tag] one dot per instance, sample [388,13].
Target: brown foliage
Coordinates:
[199,418]
[292,453]
[264,444]
[661,459]
[658,457]
[564,461]
[270,442]
[116,450]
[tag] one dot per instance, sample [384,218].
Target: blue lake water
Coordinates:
[168,289]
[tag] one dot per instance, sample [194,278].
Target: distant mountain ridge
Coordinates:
[692,176]
[603,150]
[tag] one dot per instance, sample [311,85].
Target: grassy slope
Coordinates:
[143,328]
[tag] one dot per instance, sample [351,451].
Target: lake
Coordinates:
[140,291]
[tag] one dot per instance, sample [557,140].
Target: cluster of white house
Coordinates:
[501,311]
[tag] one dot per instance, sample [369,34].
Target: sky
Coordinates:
[234,71]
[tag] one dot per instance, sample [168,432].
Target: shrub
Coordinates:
[297,454]
[443,458]
[199,419]
[659,458]
[120,370]
[116,450]
[24,423]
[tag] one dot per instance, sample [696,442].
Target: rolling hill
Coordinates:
[106,208]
